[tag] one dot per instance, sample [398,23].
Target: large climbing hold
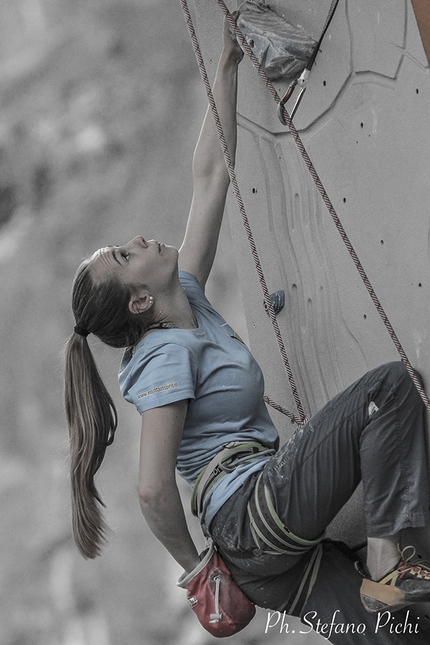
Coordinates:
[283,49]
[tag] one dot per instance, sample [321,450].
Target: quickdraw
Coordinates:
[302,82]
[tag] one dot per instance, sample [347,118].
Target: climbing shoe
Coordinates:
[407,584]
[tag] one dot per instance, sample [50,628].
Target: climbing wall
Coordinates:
[364,121]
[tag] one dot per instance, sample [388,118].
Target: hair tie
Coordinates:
[81,331]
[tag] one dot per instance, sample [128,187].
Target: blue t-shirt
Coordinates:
[212,368]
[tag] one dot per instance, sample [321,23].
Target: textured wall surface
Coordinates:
[364,121]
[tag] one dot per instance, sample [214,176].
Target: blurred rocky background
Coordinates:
[100,106]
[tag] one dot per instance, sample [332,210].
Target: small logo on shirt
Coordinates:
[230,332]
[159,388]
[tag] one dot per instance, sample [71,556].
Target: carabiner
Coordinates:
[302,82]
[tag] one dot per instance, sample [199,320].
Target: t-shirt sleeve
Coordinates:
[165,374]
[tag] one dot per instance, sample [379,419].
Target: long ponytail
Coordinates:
[92,420]
[102,309]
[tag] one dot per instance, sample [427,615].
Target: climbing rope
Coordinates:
[303,417]
[330,206]
[321,190]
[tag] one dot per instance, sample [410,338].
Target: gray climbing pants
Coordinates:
[372,432]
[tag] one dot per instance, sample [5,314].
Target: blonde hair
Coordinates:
[101,309]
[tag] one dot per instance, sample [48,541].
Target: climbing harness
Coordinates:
[298,600]
[287,119]
[273,538]
[268,531]
[224,462]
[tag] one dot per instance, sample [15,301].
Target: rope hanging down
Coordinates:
[303,417]
[322,192]
[329,206]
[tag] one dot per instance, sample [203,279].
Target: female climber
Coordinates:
[200,395]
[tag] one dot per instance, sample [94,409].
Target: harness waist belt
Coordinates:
[224,462]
